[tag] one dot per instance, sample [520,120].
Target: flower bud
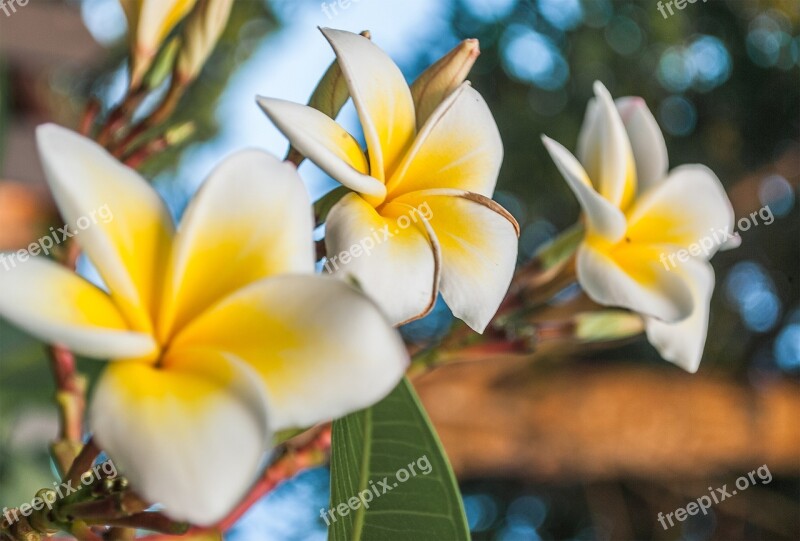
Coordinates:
[439,80]
[162,66]
[202,32]
[607,325]
[149,23]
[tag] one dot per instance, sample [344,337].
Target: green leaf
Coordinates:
[379,447]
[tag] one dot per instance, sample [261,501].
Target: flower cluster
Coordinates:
[220,333]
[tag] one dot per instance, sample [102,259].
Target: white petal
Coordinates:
[459,147]
[381,96]
[603,218]
[251,219]
[605,151]
[325,143]
[397,266]
[634,277]
[689,207]
[647,142]
[322,349]
[190,437]
[58,307]
[682,342]
[128,231]
[478,241]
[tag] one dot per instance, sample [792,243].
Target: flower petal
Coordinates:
[250,220]
[478,241]
[682,342]
[325,143]
[690,206]
[605,150]
[396,266]
[632,276]
[130,246]
[381,96]
[322,349]
[190,438]
[58,307]
[647,142]
[459,147]
[603,218]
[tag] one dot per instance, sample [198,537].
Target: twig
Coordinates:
[70,397]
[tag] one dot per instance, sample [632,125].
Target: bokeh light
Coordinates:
[677,116]
[532,57]
[752,292]
[562,14]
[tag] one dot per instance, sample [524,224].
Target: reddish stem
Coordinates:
[89,116]
[69,388]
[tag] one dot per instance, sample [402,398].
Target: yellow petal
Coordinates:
[122,224]
[605,150]
[388,254]
[190,438]
[434,84]
[325,143]
[682,342]
[689,207]
[478,242]
[459,148]
[58,307]
[322,349]
[250,220]
[633,277]
[381,96]
[603,219]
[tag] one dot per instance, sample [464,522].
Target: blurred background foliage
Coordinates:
[722,78]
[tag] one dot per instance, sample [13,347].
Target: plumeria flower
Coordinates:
[463,245]
[636,213]
[219,333]
[149,23]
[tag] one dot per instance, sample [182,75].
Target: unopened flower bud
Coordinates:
[607,325]
[202,32]
[439,80]
[149,23]
[163,65]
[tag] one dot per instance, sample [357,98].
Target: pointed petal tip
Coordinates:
[50,133]
[265,102]
[331,33]
[600,89]
[473,45]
